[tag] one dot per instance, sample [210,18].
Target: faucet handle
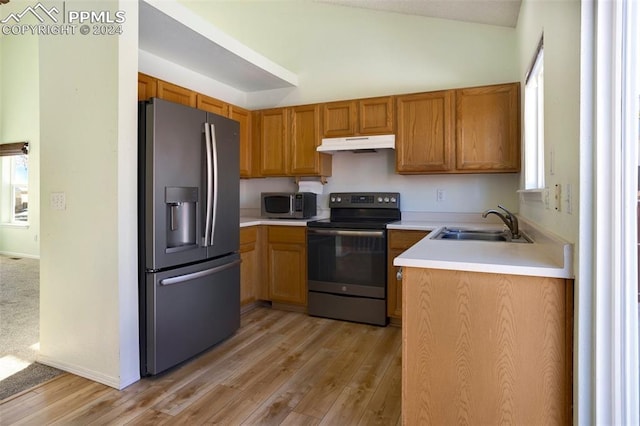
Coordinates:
[505,209]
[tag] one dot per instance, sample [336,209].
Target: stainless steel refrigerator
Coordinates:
[188,209]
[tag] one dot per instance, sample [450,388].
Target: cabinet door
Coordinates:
[376,116]
[467,337]
[147,87]
[398,242]
[425,132]
[216,106]
[274,142]
[488,128]
[249,268]
[287,264]
[243,117]
[305,138]
[340,119]
[178,94]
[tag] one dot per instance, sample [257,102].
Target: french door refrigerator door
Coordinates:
[188,310]
[222,221]
[174,184]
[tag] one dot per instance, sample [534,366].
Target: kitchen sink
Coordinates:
[479,235]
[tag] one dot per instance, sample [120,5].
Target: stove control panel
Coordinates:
[369,200]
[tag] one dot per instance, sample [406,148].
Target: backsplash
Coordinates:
[376,172]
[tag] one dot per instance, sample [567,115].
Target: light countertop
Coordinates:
[548,256]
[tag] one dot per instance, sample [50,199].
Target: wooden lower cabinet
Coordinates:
[482,348]
[250,266]
[287,264]
[398,241]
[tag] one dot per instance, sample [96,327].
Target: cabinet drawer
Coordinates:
[248,235]
[405,239]
[287,234]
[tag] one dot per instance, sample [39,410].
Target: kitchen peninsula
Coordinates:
[487,331]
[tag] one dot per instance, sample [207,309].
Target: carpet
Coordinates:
[19,326]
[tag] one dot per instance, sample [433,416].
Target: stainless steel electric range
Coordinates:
[347,257]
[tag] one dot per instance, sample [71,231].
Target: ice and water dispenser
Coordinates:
[181,205]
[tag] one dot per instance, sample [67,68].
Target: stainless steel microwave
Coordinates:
[288,205]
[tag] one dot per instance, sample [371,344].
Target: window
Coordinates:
[15,183]
[534,122]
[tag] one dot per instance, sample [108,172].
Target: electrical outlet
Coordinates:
[58,201]
[558,197]
[440,195]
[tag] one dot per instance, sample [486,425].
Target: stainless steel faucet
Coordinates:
[509,219]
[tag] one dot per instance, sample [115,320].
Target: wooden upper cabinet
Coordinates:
[147,87]
[340,119]
[274,142]
[371,116]
[174,93]
[305,138]
[488,128]
[376,116]
[425,132]
[243,117]
[216,106]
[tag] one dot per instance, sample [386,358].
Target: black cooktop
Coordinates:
[361,210]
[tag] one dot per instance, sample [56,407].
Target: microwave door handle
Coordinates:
[214,160]
[291,197]
[208,197]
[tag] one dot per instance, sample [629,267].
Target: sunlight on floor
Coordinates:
[10,365]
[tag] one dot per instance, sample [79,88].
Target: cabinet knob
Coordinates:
[399,274]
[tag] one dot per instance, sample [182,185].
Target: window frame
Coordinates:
[533,120]
[9,154]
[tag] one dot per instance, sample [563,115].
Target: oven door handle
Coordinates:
[347,233]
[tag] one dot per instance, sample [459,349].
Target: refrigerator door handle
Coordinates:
[199,274]
[209,187]
[214,160]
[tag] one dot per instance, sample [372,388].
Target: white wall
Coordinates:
[342,53]
[19,116]
[560,21]
[88,296]
[375,171]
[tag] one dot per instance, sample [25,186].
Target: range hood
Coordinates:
[358,143]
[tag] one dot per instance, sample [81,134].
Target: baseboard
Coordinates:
[289,307]
[111,381]
[15,254]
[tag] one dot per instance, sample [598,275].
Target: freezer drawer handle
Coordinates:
[199,274]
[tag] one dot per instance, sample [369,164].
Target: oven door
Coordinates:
[349,262]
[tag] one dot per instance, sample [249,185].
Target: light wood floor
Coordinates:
[279,368]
